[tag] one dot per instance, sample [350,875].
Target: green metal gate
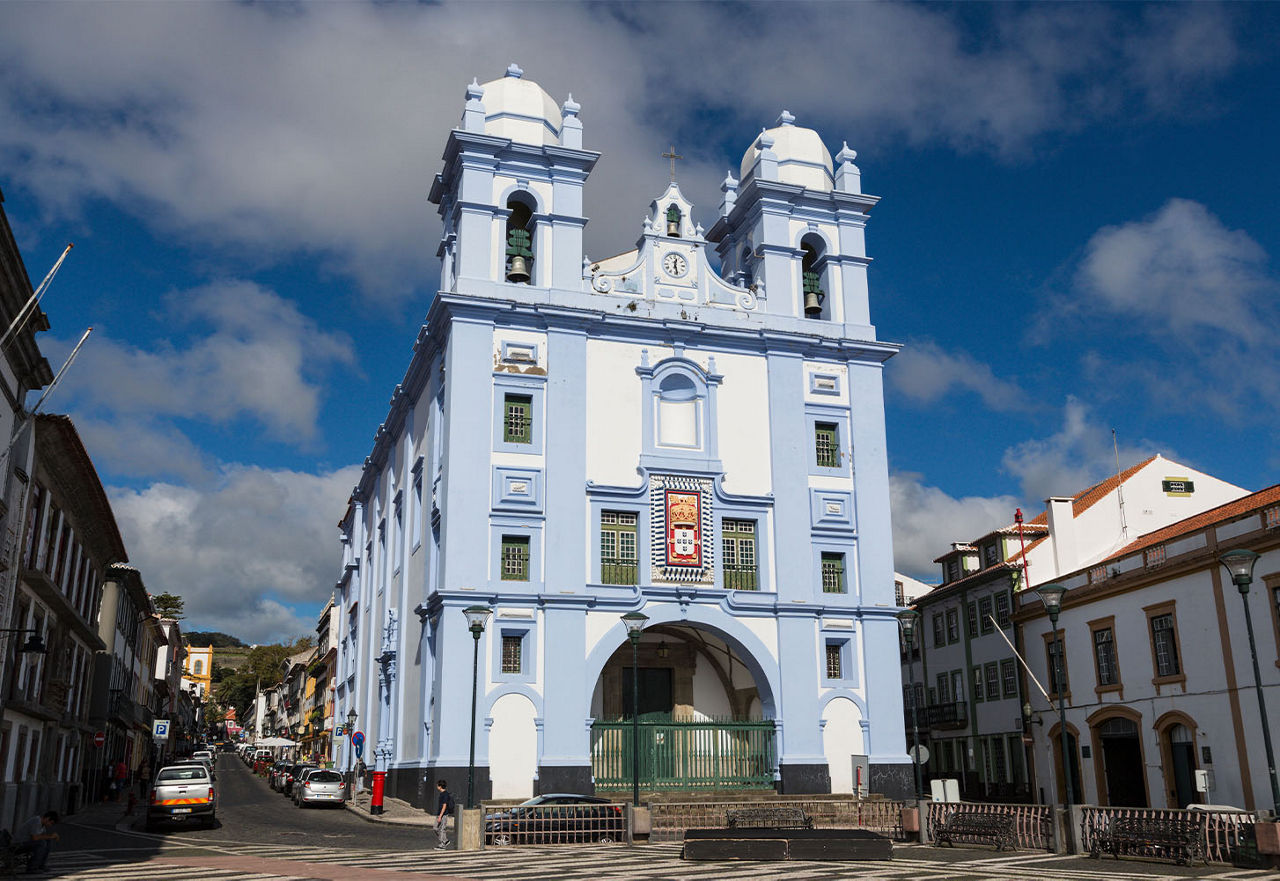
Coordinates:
[708,754]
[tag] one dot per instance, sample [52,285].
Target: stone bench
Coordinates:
[780,817]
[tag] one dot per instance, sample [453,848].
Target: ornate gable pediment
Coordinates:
[669,262]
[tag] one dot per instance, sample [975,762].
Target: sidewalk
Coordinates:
[394,812]
[108,813]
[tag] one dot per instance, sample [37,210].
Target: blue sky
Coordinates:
[1077,234]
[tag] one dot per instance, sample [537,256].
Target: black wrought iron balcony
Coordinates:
[951,715]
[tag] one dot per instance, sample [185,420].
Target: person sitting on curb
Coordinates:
[36,838]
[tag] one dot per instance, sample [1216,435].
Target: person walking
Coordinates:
[446,806]
[121,777]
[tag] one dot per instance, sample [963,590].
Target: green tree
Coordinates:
[168,605]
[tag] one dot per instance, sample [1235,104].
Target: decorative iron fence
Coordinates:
[670,820]
[685,755]
[1220,831]
[619,570]
[581,823]
[740,577]
[1032,824]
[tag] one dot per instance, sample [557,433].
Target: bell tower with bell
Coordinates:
[510,194]
[792,227]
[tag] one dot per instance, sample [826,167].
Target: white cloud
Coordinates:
[316,128]
[926,520]
[1072,459]
[253,356]
[1179,270]
[241,552]
[924,372]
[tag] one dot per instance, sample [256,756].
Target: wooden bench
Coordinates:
[1181,838]
[780,817]
[996,828]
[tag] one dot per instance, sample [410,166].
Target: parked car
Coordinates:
[319,786]
[276,775]
[182,794]
[556,818]
[300,779]
[292,774]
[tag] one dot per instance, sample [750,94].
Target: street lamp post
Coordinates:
[907,620]
[1240,564]
[635,622]
[1051,597]
[351,751]
[477,617]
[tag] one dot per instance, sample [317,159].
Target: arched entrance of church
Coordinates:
[704,717]
[1123,780]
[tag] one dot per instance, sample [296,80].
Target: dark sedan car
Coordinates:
[557,818]
[295,770]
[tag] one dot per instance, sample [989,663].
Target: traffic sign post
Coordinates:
[99,739]
[357,743]
[160,730]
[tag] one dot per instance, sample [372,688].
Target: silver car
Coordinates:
[182,794]
[319,786]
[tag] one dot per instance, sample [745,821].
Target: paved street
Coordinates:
[263,836]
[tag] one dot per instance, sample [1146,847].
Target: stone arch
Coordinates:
[1055,757]
[514,726]
[1175,758]
[842,738]
[1118,777]
[753,652]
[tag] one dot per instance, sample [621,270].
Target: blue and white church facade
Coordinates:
[575,440]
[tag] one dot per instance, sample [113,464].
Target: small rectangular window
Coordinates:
[512,653]
[939,633]
[971,613]
[515,558]
[738,538]
[1002,610]
[944,688]
[826,444]
[977,684]
[984,614]
[517,419]
[992,671]
[1166,646]
[953,625]
[990,555]
[1009,678]
[619,563]
[833,573]
[1104,656]
[1057,670]
[833,661]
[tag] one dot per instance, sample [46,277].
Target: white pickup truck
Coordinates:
[182,794]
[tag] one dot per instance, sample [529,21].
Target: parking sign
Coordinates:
[160,729]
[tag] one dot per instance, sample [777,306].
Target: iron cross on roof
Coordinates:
[673,156]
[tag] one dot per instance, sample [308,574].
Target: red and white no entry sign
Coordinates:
[99,739]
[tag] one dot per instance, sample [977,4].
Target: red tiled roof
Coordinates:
[1261,499]
[1086,499]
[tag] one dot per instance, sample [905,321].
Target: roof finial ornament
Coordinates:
[673,156]
[514,71]
[846,154]
[785,118]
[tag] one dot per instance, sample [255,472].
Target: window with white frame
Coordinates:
[1003,617]
[1165,644]
[619,563]
[515,558]
[738,542]
[1008,678]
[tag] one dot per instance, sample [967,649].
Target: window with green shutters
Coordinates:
[515,558]
[517,419]
[619,563]
[832,573]
[739,544]
[826,444]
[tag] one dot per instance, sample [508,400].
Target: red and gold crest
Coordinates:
[684,528]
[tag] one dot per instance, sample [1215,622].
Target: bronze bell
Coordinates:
[812,303]
[518,271]
[673,227]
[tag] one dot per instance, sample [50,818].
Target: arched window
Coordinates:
[678,412]
[673,220]
[198,667]
[520,229]
[811,268]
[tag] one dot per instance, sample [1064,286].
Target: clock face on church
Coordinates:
[675,265]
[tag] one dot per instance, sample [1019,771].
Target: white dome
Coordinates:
[519,109]
[802,157]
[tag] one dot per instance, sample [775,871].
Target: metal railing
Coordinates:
[950,715]
[738,577]
[670,820]
[1032,824]
[1221,830]
[706,754]
[584,823]
[619,570]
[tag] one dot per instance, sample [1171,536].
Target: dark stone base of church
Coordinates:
[896,781]
[564,778]
[423,782]
[785,844]
[804,780]
[405,784]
